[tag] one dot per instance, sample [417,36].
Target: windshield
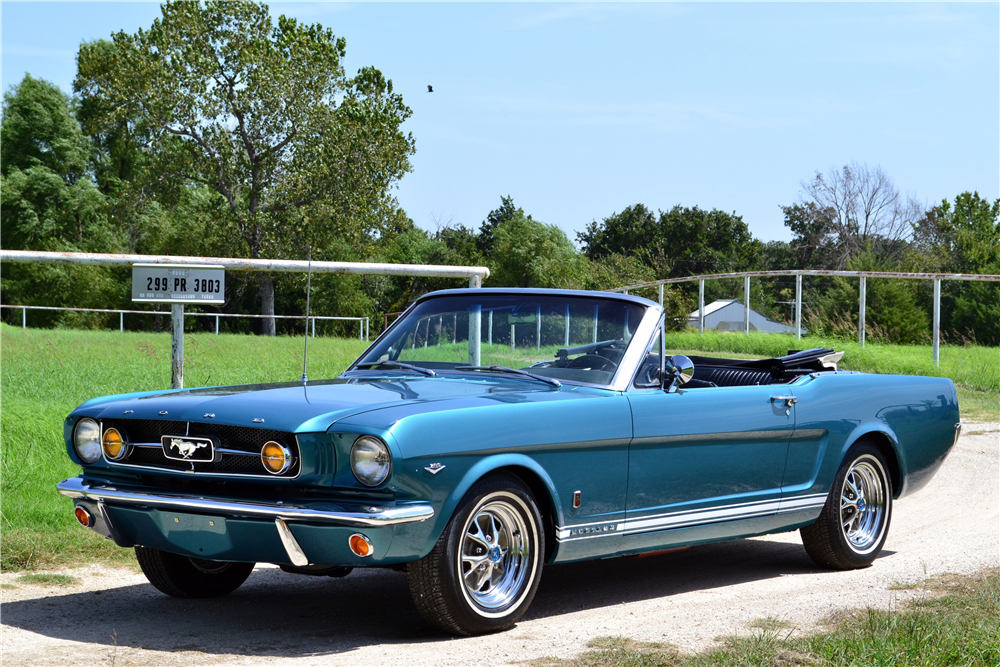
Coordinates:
[567,337]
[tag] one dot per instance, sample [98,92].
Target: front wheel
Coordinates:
[484,570]
[184,577]
[854,523]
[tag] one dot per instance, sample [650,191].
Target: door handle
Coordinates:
[789,400]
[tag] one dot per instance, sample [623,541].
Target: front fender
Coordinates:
[481,469]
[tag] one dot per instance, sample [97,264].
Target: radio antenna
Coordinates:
[305,352]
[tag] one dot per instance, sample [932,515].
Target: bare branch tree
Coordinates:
[864,211]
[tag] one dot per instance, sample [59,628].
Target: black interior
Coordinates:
[718,372]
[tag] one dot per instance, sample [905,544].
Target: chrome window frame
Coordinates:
[627,368]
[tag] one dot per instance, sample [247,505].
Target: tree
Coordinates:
[218,95]
[680,242]
[969,233]
[495,218]
[48,201]
[851,210]
[529,253]
[631,233]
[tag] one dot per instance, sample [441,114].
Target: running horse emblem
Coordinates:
[186,448]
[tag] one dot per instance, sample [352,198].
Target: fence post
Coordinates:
[177,346]
[121,321]
[861,311]
[798,305]
[476,281]
[701,306]
[490,327]
[595,324]
[659,290]
[937,321]
[216,325]
[24,318]
[746,305]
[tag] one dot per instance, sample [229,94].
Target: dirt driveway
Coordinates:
[685,598]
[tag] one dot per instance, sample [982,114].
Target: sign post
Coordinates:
[178,284]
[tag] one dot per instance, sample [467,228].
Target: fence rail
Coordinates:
[475,274]
[799,274]
[363,329]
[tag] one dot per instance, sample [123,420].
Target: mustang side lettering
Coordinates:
[490,432]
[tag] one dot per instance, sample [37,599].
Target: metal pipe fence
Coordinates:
[475,274]
[862,276]
[363,322]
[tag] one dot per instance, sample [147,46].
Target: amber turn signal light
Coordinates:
[361,545]
[114,444]
[275,457]
[84,517]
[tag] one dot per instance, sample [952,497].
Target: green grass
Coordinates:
[958,625]
[48,579]
[45,374]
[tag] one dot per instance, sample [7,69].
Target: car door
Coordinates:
[704,457]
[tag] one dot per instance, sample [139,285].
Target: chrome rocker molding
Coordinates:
[667,521]
[388,515]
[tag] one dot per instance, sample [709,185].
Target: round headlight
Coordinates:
[370,460]
[276,457]
[87,440]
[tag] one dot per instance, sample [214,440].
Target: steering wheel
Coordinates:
[593,362]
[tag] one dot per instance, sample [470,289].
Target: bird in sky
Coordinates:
[430,89]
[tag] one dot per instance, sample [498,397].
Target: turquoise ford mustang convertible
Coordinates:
[490,432]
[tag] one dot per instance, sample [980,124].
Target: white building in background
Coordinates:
[727,315]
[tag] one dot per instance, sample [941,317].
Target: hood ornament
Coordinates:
[434,468]
[209,415]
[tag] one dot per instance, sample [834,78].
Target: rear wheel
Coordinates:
[484,570]
[184,577]
[854,523]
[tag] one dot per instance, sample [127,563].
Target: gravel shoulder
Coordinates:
[687,598]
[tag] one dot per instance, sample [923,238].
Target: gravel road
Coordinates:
[686,598]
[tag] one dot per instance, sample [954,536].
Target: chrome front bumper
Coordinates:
[363,515]
[278,512]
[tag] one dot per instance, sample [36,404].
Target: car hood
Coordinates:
[298,407]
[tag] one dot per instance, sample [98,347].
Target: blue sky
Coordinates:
[579,110]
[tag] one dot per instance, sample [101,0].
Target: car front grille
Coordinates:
[242,442]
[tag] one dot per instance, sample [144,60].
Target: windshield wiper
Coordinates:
[515,371]
[396,364]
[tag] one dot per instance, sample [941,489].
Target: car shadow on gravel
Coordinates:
[282,615]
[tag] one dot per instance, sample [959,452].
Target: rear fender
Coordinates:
[882,432]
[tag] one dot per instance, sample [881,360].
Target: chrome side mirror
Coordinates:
[678,370]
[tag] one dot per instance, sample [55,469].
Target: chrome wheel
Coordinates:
[863,504]
[495,557]
[484,570]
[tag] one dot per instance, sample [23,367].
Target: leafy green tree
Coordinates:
[529,253]
[263,114]
[631,233]
[679,242]
[49,202]
[495,218]
[969,233]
